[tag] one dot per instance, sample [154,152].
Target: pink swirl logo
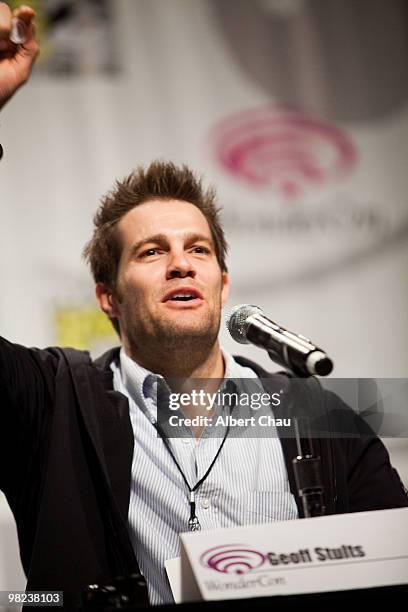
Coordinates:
[232,559]
[283,149]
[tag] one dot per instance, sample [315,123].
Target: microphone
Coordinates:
[248,324]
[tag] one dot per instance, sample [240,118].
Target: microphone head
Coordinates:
[237,321]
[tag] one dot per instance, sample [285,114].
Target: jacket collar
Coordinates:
[103,364]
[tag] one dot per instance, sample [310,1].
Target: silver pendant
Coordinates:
[193,524]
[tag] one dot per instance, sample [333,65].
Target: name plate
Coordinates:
[329,553]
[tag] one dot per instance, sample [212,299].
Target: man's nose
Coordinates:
[180,265]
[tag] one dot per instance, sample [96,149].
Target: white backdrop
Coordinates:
[296,110]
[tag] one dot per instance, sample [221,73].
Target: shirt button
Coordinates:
[205,503]
[185,440]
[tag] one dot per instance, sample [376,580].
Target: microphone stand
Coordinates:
[308,476]
[306,466]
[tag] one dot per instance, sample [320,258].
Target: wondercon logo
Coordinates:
[282,148]
[232,559]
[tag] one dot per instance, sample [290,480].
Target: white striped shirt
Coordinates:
[248,483]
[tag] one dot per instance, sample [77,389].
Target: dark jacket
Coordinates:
[66,447]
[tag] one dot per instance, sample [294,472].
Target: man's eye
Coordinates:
[149,253]
[201,249]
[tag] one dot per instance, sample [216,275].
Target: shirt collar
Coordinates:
[142,384]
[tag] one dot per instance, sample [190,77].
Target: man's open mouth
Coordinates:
[182,298]
[182,295]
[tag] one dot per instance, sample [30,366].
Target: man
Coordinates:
[96,487]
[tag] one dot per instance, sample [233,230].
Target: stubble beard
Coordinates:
[177,342]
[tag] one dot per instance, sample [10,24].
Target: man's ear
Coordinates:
[106,300]
[225,288]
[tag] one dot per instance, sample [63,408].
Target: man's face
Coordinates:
[169,284]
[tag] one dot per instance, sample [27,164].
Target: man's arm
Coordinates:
[16,61]
[26,397]
[372,482]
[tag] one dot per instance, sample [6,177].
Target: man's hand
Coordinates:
[16,61]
